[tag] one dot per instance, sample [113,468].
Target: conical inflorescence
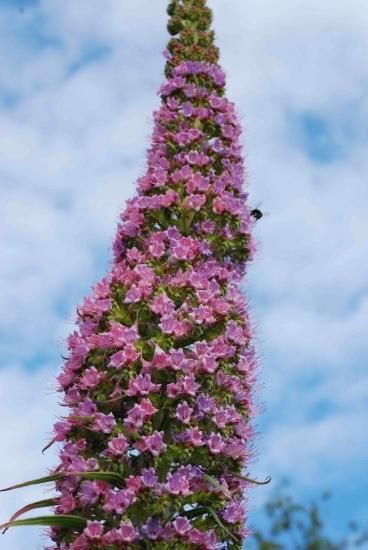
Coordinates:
[158,382]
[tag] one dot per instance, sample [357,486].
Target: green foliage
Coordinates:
[294,526]
[68,522]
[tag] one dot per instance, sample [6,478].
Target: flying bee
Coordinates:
[256,213]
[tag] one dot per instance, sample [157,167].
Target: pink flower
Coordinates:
[133,484]
[189,385]
[185,385]
[205,540]
[220,418]
[162,304]
[184,412]
[184,248]
[233,513]
[111,537]
[135,256]
[235,333]
[104,423]
[147,407]
[67,504]
[194,437]
[215,443]
[203,315]
[221,306]
[178,484]
[181,525]
[61,430]
[128,355]
[117,361]
[118,445]
[133,295]
[196,202]
[80,543]
[135,417]
[89,493]
[161,360]
[198,183]
[94,530]
[209,364]
[118,502]
[142,385]
[126,532]
[219,205]
[157,249]
[236,449]
[168,324]
[153,443]
[205,403]
[91,378]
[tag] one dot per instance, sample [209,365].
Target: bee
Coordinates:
[256,213]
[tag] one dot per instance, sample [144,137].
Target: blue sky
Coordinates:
[77,89]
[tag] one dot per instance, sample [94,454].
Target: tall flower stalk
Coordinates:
[157,387]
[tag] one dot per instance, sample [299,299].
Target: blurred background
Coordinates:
[78,83]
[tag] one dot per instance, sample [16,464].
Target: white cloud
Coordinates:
[27,408]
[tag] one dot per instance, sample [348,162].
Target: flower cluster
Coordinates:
[158,381]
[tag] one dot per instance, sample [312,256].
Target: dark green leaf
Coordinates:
[47,479]
[71,522]
[222,526]
[109,477]
[34,506]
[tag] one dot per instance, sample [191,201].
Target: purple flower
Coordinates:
[181,525]
[104,423]
[188,109]
[189,385]
[152,529]
[149,477]
[162,304]
[178,484]
[194,437]
[142,385]
[153,443]
[184,412]
[233,513]
[215,443]
[135,417]
[118,502]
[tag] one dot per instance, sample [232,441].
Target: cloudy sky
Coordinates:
[78,83]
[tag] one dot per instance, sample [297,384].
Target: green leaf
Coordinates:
[251,480]
[47,479]
[195,512]
[71,522]
[212,481]
[109,477]
[34,506]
